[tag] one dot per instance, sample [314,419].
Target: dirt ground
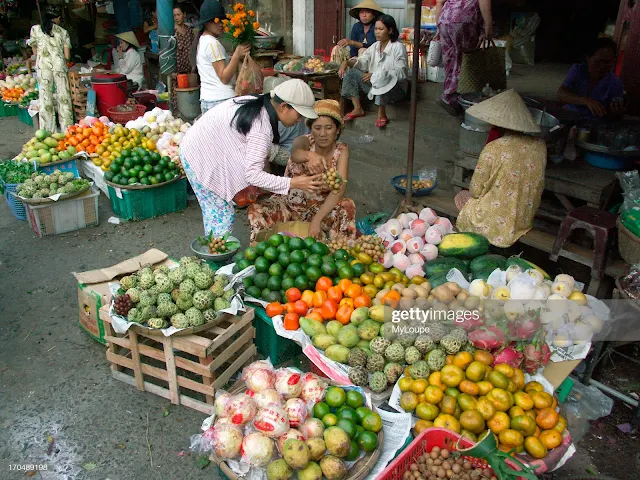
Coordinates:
[61,409]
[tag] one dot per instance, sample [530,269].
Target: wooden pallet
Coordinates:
[185,369]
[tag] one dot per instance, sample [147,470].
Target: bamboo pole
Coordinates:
[414,100]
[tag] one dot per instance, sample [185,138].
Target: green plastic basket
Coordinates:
[269,343]
[23,115]
[8,110]
[149,202]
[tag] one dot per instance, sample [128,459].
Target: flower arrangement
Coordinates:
[241,27]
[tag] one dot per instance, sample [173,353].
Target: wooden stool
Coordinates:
[599,223]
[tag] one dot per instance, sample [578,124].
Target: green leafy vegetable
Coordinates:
[14,172]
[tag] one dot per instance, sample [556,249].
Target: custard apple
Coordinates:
[420,369]
[163,283]
[146,312]
[436,359]
[184,302]
[128,282]
[379,345]
[393,372]
[459,334]
[178,275]
[209,315]
[157,323]
[406,340]
[145,269]
[359,376]
[194,316]
[167,309]
[145,298]
[193,269]
[378,382]
[217,289]
[386,331]
[357,357]
[146,281]
[222,279]
[202,299]
[221,304]
[134,294]
[175,293]
[69,188]
[424,344]
[437,330]
[161,269]
[228,294]
[38,194]
[395,353]
[469,347]
[412,355]
[451,344]
[164,298]
[375,363]
[188,287]
[179,320]
[186,261]
[202,280]
[134,315]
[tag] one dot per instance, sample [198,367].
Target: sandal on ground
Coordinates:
[352,116]
[382,122]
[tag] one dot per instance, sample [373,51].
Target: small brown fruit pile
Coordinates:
[417,184]
[339,242]
[440,464]
[371,245]
[122,305]
[217,245]
[333,179]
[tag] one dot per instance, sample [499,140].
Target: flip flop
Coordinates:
[351,116]
[382,122]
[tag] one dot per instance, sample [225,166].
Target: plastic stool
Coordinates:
[599,223]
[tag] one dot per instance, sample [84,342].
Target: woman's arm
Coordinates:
[439,6]
[129,62]
[301,153]
[67,54]
[400,62]
[334,197]
[566,96]
[485,11]
[226,72]
[148,28]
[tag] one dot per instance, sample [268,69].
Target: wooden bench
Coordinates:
[442,202]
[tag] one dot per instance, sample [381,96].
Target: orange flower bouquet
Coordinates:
[241,27]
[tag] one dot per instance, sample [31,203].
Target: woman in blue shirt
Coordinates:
[591,88]
[362,32]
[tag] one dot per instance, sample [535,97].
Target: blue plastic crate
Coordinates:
[63,165]
[15,204]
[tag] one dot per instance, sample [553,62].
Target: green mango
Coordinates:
[39,145]
[312,327]
[333,327]
[323,341]
[50,142]
[337,353]
[348,336]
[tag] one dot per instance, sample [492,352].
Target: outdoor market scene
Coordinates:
[340,240]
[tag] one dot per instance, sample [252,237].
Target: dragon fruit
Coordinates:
[527,327]
[487,338]
[536,355]
[510,356]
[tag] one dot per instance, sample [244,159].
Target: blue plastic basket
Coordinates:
[421,192]
[63,165]
[15,204]
[609,162]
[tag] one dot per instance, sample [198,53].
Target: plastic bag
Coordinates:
[584,404]
[434,55]
[340,54]
[367,225]
[428,174]
[250,79]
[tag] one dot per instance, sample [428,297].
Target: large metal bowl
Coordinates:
[202,251]
[267,42]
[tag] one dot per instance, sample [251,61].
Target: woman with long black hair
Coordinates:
[227,149]
[52,47]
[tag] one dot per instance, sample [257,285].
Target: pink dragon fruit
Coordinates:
[536,355]
[527,328]
[487,338]
[508,355]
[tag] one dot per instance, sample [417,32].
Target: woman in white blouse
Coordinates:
[380,72]
[127,58]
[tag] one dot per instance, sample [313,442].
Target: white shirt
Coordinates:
[131,66]
[392,59]
[210,50]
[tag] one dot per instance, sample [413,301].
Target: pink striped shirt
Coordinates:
[224,160]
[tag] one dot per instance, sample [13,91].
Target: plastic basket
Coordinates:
[63,165]
[143,203]
[269,343]
[24,117]
[429,438]
[64,216]
[124,117]
[15,204]
[8,110]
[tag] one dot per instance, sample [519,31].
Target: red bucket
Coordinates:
[111,90]
[183,80]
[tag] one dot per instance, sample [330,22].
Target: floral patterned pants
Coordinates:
[217,214]
[455,39]
[49,103]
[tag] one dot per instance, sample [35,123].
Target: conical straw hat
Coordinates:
[506,110]
[129,37]
[368,4]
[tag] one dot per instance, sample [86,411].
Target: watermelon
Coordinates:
[488,262]
[463,245]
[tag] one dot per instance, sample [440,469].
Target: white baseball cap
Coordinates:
[298,94]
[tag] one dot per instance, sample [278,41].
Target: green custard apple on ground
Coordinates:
[378,382]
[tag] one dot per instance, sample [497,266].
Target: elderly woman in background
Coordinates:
[507,184]
[184,38]
[380,72]
[459,30]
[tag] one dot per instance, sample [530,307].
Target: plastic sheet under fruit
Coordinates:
[122,325]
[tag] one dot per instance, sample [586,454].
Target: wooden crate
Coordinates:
[186,369]
[78,93]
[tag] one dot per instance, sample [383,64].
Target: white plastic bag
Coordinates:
[434,55]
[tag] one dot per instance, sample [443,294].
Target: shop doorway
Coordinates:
[328,25]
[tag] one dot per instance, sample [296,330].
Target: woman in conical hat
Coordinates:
[362,33]
[129,62]
[508,181]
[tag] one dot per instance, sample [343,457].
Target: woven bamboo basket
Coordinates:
[628,244]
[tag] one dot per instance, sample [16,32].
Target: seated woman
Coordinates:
[591,88]
[127,58]
[380,72]
[507,184]
[329,213]
[362,32]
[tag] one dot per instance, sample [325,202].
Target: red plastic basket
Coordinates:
[429,438]
[124,117]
